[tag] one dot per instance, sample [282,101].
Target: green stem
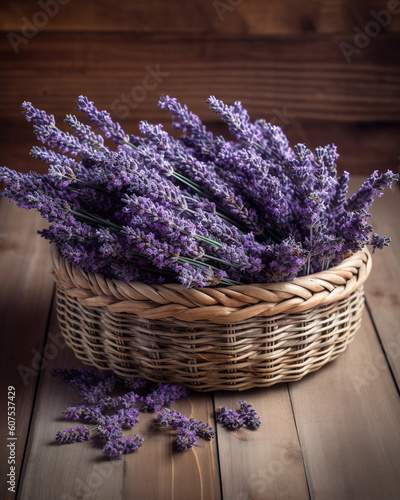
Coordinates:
[221,260]
[81,214]
[309,257]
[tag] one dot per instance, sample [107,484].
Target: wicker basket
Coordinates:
[214,338]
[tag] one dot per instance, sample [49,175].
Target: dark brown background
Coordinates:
[281,58]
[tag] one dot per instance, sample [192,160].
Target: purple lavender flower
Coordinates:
[128,417]
[195,133]
[200,210]
[114,448]
[110,428]
[229,418]
[102,403]
[204,431]
[47,132]
[273,144]
[132,444]
[164,394]
[85,133]
[130,398]
[99,393]
[79,433]
[135,383]
[189,428]
[117,447]
[86,413]
[185,439]
[340,195]
[171,417]
[35,115]
[372,187]
[230,201]
[379,242]
[246,416]
[237,119]
[249,415]
[103,121]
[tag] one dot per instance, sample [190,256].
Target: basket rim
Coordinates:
[220,304]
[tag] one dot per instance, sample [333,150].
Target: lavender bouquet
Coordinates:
[199,209]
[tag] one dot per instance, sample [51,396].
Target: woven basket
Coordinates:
[213,338]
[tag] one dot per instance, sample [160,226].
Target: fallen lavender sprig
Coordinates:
[189,430]
[110,427]
[79,433]
[164,394]
[121,446]
[246,416]
[97,391]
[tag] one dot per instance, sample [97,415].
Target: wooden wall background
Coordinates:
[281,58]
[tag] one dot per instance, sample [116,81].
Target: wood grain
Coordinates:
[310,77]
[25,296]
[283,60]
[299,84]
[224,17]
[267,462]
[164,473]
[64,472]
[80,470]
[340,424]
[383,287]
[347,420]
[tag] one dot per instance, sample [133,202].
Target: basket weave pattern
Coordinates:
[213,338]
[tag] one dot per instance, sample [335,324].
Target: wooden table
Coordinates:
[333,435]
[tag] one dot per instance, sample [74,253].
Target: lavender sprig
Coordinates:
[77,434]
[196,134]
[200,209]
[189,430]
[103,121]
[372,187]
[233,419]
[110,427]
[121,446]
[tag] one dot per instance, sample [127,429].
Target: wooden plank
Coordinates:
[311,77]
[347,417]
[383,287]
[65,472]
[250,17]
[80,470]
[25,297]
[267,462]
[161,472]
